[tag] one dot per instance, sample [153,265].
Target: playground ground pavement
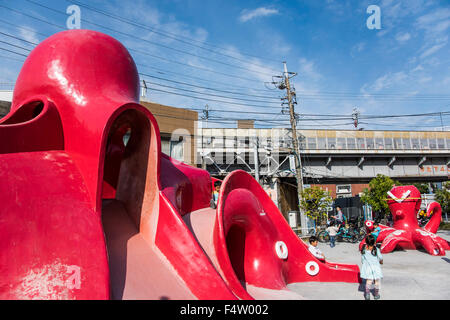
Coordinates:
[408,275]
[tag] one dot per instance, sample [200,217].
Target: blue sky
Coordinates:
[402,68]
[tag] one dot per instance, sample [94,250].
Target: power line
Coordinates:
[145,53]
[20,54]
[304,95]
[208,99]
[200,79]
[152,42]
[7,23]
[210,94]
[14,45]
[20,39]
[209,88]
[188,41]
[33,17]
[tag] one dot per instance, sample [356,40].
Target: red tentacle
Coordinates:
[435,209]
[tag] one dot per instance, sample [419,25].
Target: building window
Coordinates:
[398,143]
[370,143]
[177,149]
[379,143]
[441,143]
[361,143]
[311,143]
[343,188]
[433,144]
[351,143]
[165,145]
[302,143]
[243,142]
[415,143]
[321,143]
[341,144]
[407,143]
[388,143]
[230,142]
[424,143]
[331,143]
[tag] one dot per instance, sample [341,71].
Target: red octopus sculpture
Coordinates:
[404,203]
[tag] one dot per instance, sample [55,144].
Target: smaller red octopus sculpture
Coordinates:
[404,203]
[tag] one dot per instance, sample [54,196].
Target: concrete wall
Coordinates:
[4,108]
[177,122]
[356,188]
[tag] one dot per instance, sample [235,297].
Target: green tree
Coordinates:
[376,194]
[423,187]
[314,203]
[443,197]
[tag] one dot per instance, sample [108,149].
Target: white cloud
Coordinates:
[403,37]
[433,49]
[357,48]
[247,15]
[29,35]
[434,16]
[434,23]
[388,81]
[307,70]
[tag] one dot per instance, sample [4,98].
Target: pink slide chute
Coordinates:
[89,214]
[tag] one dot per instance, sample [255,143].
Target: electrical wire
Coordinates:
[211,94]
[186,40]
[20,54]
[161,71]
[146,53]
[152,42]
[209,88]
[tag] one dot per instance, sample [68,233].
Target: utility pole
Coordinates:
[204,117]
[355,117]
[206,114]
[298,161]
[255,155]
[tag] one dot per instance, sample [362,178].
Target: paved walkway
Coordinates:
[408,275]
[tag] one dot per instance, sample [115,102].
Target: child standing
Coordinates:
[215,195]
[332,232]
[371,260]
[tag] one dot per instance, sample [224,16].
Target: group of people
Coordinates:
[335,225]
[371,257]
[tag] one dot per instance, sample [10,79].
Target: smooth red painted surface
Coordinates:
[406,233]
[85,215]
[246,230]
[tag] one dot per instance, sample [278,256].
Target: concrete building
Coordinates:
[342,161]
[4,108]
[5,99]
[178,129]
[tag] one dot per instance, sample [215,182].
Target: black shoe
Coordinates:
[367,296]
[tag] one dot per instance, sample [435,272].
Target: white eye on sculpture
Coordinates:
[312,268]
[281,250]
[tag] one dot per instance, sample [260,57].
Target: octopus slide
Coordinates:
[91,208]
[404,203]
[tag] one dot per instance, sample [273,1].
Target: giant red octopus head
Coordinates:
[404,202]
